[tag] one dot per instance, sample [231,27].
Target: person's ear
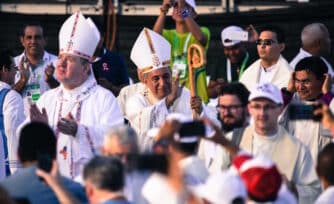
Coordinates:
[22,39]
[282,47]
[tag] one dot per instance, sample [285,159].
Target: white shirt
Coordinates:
[303,54]
[280,77]
[215,157]
[99,111]
[144,112]
[309,132]
[326,197]
[263,145]
[194,171]
[13,117]
[267,75]
[127,92]
[37,72]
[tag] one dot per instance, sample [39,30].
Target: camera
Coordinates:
[148,162]
[193,128]
[303,112]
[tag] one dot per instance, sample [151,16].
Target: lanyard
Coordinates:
[243,65]
[242,68]
[176,43]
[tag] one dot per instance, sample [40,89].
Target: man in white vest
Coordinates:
[271,67]
[79,110]
[266,137]
[161,96]
[232,114]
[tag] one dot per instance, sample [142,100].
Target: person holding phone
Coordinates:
[37,149]
[187,31]
[309,82]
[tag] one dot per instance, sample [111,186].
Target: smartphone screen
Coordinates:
[194,128]
[301,112]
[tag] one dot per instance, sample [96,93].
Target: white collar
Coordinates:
[304,52]
[78,93]
[5,85]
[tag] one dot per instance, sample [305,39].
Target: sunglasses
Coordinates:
[265,42]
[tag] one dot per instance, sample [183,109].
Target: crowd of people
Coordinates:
[75,128]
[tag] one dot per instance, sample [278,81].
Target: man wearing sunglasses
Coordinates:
[271,67]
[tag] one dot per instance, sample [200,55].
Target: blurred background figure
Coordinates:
[104,181]
[109,67]
[37,148]
[325,169]
[316,41]
[11,115]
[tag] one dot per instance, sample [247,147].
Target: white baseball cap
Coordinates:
[268,91]
[222,188]
[226,35]
[191,3]
[78,36]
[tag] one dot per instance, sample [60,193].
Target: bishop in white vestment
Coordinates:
[161,95]
[79,110]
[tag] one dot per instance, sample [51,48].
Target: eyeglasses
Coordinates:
[265,42]
[265,107]
[305,82]
[228,108]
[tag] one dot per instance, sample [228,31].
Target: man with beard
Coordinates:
[232,114]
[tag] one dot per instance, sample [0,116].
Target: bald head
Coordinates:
[315,39]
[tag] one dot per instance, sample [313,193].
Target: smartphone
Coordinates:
[194,128]
[151,162]
[238,35]
[303,112]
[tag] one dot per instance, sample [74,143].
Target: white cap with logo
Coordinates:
[191,3]
[268,91]
[227,35]
[151,51]
[78,36]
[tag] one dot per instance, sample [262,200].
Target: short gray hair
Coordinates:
[313,32]
[125,135]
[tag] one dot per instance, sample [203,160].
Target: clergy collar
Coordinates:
[79,92]
[266,137]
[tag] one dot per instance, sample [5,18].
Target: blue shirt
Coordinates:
[112,67]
